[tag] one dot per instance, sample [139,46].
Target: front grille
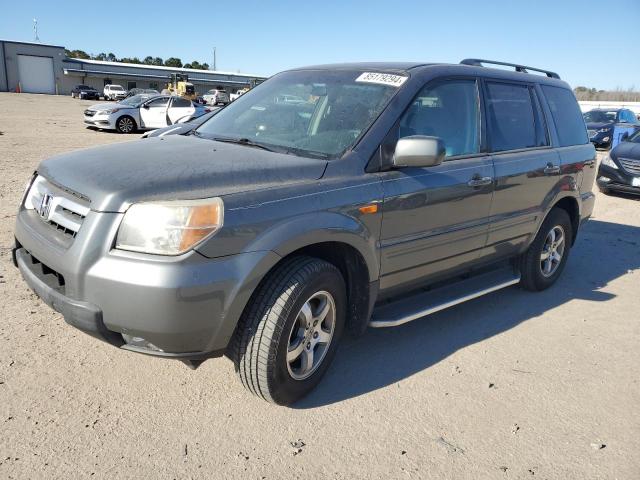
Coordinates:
[59,208]
[89,113]
[630,165]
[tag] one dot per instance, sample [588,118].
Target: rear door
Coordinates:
[179,108]
[153,113]
[435,219]
[526,167]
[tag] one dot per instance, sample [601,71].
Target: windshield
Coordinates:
[135,100]
[116,87]
[600,116]
[314,113]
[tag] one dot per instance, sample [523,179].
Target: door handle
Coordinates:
[478,181]
[551,169]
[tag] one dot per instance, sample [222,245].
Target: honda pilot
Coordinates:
[387,192]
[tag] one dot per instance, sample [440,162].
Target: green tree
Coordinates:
[101,56]
[148,60]
[111,57]
[173,62]
[157,61]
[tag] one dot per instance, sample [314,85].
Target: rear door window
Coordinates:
[179,102]
[567,116]
[511,117]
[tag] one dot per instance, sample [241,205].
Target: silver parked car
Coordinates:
[141,112]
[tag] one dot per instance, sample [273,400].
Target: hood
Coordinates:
[177,129]
[599,125]
[629,150]
[98,107]
[172,168]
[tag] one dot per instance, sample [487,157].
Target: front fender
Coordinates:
[298,232]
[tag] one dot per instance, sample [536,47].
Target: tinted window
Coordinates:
[159,102]
[511,117]
[181,102]
[566,115]
[449,111]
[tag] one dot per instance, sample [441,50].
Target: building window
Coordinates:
[107,81]
[131,85]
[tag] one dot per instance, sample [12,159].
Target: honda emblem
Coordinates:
[45,205]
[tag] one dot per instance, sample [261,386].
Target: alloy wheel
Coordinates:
[552,251]
[311,335]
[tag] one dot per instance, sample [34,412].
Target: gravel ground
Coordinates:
[512,385]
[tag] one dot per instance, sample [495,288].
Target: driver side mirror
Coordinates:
[146,106]
[418,151]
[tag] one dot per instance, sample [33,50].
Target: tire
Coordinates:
[126,124]
[271,346]
[604,190]
[539,265]
[73,95]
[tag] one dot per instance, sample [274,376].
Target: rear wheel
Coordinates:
[289,332]
[542,264]
[125,124]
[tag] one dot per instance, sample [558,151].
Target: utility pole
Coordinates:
[214,59]
[35,31]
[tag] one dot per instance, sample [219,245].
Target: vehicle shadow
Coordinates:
[382,357]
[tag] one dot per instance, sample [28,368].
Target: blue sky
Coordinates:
[592,43]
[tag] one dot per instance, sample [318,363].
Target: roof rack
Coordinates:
[519,68]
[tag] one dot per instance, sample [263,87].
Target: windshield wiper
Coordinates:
[243,141]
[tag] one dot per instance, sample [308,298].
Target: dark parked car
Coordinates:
[390,192]
[620,169]
[85,92]
[606,126]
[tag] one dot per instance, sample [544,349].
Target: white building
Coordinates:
[40,68]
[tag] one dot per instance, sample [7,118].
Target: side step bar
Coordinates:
[425,303]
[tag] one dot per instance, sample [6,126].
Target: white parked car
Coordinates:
[141,112]
[216,97]
[114,92]
[238,94]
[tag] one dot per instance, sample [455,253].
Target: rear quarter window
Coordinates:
[567,116]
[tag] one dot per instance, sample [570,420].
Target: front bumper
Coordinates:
[617,179]
[100,121]
[183,307]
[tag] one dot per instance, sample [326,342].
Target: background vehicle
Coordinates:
[85,92]
[114,92]
[139,91]
[620,169]
[275,226]
[239,93]
[606,127]
[216,96]
[182,126]
[141,112]
[180,85]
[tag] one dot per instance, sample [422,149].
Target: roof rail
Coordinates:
[519,68]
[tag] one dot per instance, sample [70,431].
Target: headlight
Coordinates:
[109,112]
[169,228]
[604,130]
[609,162]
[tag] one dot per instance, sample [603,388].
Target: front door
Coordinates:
[435,219]
[153,114]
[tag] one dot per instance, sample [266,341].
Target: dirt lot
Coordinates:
[512,385]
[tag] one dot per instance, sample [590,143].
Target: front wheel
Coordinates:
[544,260]
[125,125]
[289,331]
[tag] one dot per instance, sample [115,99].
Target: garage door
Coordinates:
[36,74]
